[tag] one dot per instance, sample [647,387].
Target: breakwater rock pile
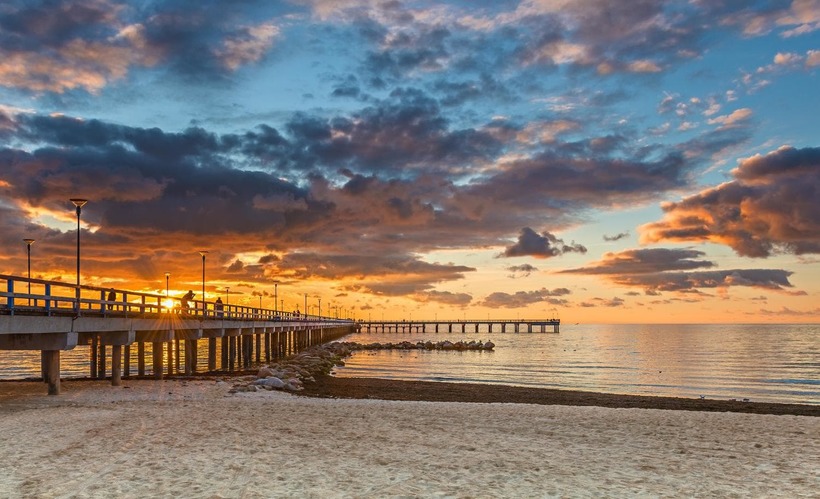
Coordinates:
[291,373]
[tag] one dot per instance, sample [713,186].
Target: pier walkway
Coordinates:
[424,326]
[52,316]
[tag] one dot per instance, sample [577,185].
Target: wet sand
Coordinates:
[385,389]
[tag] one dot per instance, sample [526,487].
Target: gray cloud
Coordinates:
[661,269]
[616,237]
[544,245]
[523,298]
[523,270]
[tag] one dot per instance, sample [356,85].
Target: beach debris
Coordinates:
[291,373]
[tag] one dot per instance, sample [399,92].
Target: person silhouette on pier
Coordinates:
[219,308]
[186,307]
[112,296]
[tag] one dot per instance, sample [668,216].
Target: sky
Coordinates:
[634,161]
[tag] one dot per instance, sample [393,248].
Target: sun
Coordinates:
[168,304]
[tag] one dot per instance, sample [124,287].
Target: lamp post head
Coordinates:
[203,253]
[79,203]
[29,242]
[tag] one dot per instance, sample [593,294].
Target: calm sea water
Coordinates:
[774,363]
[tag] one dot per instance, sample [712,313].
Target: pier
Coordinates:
[53,316]
[424,326]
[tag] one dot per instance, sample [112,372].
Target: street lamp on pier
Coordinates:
[203,253]
[78,203]
[306,309]
[29,242]
[167,278]
[275,297]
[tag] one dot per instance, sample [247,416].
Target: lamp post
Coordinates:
[306,309]
[203,253]
[167,277]
[28,259]
[275,297]
[78,203]
[320,306]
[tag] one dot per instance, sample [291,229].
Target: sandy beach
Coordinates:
[192,438]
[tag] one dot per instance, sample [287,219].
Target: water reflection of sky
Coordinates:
[760,362]
[715,361]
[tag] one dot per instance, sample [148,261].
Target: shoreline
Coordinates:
[438,391]
[331,387]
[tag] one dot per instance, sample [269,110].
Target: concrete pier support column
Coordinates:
[141,358]
[224,341]
[190,356]
[171,345]
[211,354]
[258,347]
[116,365]
[248,354]
[127,361]
[101,361]
[158,355]
[231,353]
[93,354]
[177,344]
[52,361]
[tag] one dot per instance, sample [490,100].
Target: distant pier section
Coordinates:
[465,325]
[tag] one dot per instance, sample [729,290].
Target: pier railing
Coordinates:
[20,295]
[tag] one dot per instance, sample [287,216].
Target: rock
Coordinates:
[264,372]
[271,382]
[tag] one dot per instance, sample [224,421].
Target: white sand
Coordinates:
[192,439]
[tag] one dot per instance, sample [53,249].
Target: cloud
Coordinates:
[644,261]
[735,118]
[60,46]
[787,312]
[247,46]
[661,269]
[773,279]
[769,207]
[544,245]
[521,299]
[445,297]
[523,270]
[616,237]
[603,302]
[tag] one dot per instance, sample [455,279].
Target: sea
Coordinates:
[754,362]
